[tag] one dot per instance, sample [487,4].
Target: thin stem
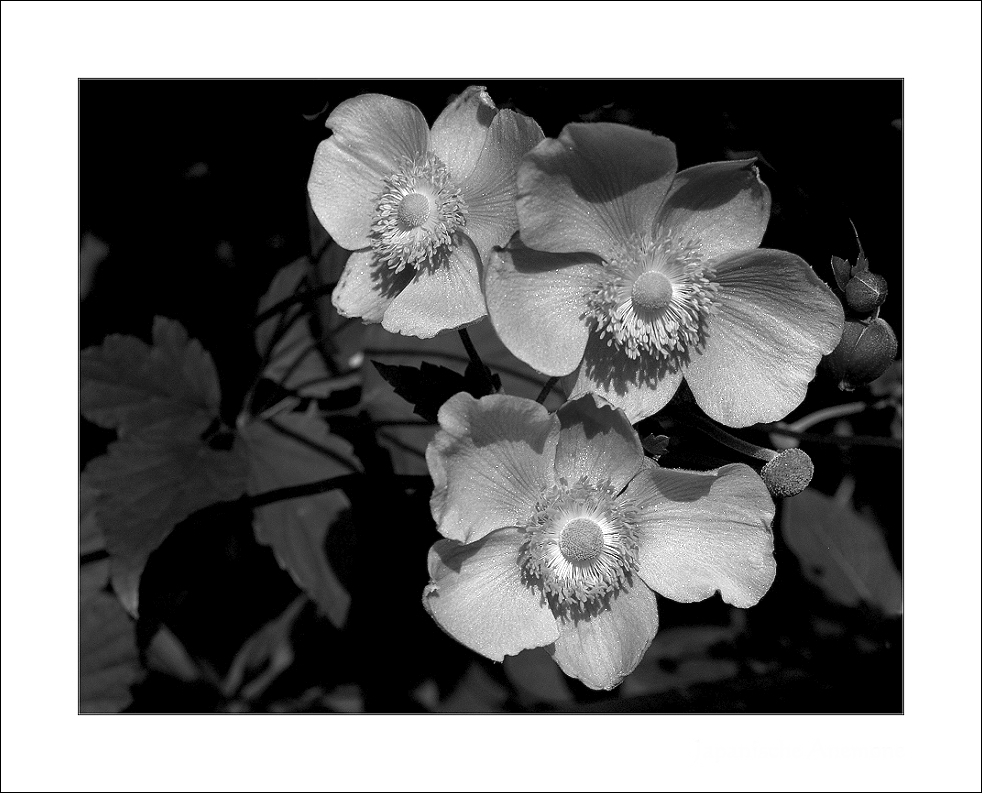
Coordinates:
[546,389]
[833,412]
[717,433]
[838,440]
[298,297]
[409,481]
[475,357]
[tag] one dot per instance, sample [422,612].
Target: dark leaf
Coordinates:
[169,389]
[426,388]
[842,270]
[108,657]
[296,529]
[841,552]
[146,487]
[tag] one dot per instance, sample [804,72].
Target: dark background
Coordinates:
[199,189]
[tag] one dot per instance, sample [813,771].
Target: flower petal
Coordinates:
[372,135]
[366,289]
[535,301]
[477,595]
[490,462]
[640,387]
[603,649]
[702,531]
[440,298]
[593,188]
[725,205]
[775,321]
[598,442]
[489,191]
[458,135]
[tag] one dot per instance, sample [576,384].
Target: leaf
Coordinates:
[170,388]
[426,388]
[282,454]
[841,552]
[842,271]
[146,488]
[108,657]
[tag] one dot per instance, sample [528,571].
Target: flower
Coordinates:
[629,277]
[420,208]
[560,531]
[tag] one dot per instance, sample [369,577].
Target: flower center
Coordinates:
[581,540]
[580,544]
[417,216]
[414,210]
[652,291]
[653,298]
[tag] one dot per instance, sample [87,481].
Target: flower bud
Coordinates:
[865,291]
[788,473]
[865,352]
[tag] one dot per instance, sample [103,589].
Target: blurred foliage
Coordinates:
[253,384]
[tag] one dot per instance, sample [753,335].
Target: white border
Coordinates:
[933,46]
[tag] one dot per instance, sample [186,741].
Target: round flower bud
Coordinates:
[865,352]
[788,473]
[865,291]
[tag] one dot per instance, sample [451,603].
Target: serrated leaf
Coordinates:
[296,529]
[425,388]
[169,387]
[108,656]
[146,488]
[842,271]
[841,552]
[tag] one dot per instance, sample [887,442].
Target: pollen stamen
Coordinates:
[417,215]
[581,543]
[654,298]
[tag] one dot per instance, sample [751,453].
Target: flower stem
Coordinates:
[324,485]
[475,357]
[546,389]
[833,412]
[717,433]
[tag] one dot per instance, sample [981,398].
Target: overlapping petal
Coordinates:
[597,442]
[639,387]
[477,595]
[593,188]
[439,298]
[490,462]
[366,289]
[535,301]
[604,648]
[461,130]
[705,531]
[775,320]
[372,135]
[489,190]
[725,205]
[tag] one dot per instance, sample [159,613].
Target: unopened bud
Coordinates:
[865,352]
[788,473]
[865,292]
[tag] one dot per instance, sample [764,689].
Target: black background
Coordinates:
[199,189]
